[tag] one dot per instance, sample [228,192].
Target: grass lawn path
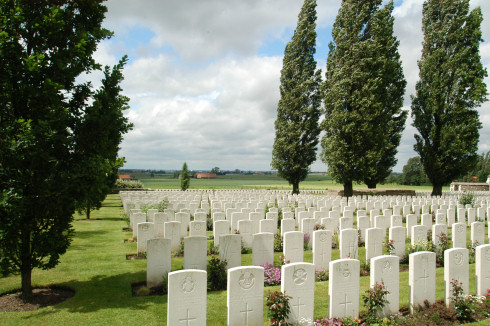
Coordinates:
[95,266]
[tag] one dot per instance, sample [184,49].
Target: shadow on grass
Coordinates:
[101,293]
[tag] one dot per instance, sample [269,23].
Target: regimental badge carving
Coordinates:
[461,228]
[145,228]
[299,276]
[188,285]
[246,280]
[346,271]
[387,267]
[197,227]
[458,258]
[323,237]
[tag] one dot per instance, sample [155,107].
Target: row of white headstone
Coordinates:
[187,289]
[319,241]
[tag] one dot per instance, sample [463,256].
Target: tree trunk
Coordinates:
[348,190]
[26,284]
[25,265]
[295,187]
[87,214]
[436,190]
[371,184]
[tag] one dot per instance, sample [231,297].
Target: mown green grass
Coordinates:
[96,268]
[254,181]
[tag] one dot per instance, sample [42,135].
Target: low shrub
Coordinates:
[375,300]
[279,308]
[216,274]
[278,243]
[120,184]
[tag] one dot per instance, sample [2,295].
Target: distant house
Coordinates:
[125,177]
[203,175]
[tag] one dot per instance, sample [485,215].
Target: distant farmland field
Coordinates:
[253,181]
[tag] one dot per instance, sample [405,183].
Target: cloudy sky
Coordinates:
[203,76]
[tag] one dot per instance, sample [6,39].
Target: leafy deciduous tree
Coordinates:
[98,139]
[298,109]
[363,96]
[450,88]
[44,46]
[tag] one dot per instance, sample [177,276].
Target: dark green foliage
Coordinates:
[481,170]
[450,89]
[279,307]
[120,184]
[216,274]
[298,110]
[185,178]
[278,243]
[413,172]
[44,47]
[464,305]
[375,300]
[363,95]
[98,139]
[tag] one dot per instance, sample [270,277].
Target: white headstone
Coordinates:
[220,227]
[421,278]
[348,243]
[146,231]
[456,268]
[322,249]
[459,235]
[158,261]
[172,232]
[374,242]
[245,227]
[298,282]
[195,252]
[245,296]
[197,228]
[385,270]
[287,225]
[477,233]
[269,226]
[438,232]
[293,246]
[398,235]
[263,249]
[186,300]
[343,288]
[419,235]
[159,220]
[137,219]
[482,269]
[184,218]
[230,249]
[411,221]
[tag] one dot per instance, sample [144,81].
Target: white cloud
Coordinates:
[223,113]
[201,93]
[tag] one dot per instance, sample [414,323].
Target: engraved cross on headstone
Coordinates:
[298,306]
[246,311]
[186,320]
[345,303]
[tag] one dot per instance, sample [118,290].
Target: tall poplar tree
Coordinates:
[363,95]
[383,93]
[298,109]
[185,178]
[450,89]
